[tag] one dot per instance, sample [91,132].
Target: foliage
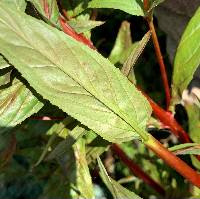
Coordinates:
[63,104]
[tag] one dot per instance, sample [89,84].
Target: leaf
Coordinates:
[133,57]
[182,146]
[16,4]
[81,25]
[52,14]
[95,148]
[3,63]
[65,146]
[132,7]
[118,191]
[74,77]
[5,76]
[189,151]
[84,181]
[193,113]
[185,149]
[75,7]
[70,154]
[187,57]
[123,44]
[58,129]
[16,104]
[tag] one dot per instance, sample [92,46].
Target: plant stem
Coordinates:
[79,37]
[168,119]
[173,161]
[46,9]
[159,57]
[136,170]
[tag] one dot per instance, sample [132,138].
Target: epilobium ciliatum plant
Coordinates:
[60,99]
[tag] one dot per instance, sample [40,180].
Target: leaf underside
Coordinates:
[75,78]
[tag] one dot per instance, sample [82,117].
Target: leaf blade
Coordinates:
[129,6]
[88,83]
[187,56]
[16,104]
[115,188]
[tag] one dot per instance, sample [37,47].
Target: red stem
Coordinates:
[173,161]
[46,9]
[79,37]
[168,119]
[158,54]
[136,170]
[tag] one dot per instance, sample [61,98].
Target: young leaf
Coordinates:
[16,104]
[132,7]
[187,56]
[123,44]
[74,77]
[82,24]
[75,7]
[115,188]
[130,62]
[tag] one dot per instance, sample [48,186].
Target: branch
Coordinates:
[159,57]
[168,119]
[173,161]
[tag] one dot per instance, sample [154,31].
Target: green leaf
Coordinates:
[95,148]
[74,7]
[74,77]
[193,113]
[16,104]
[5,76]
[187,57]
[123,44]
[84,181]
[3,63]
[133,57]
[65,146]
[16,4]
[132,7]
[185,149]
[57,130]
[71,155]
[182,146]
[83,24]
[53,11]
[118,191]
